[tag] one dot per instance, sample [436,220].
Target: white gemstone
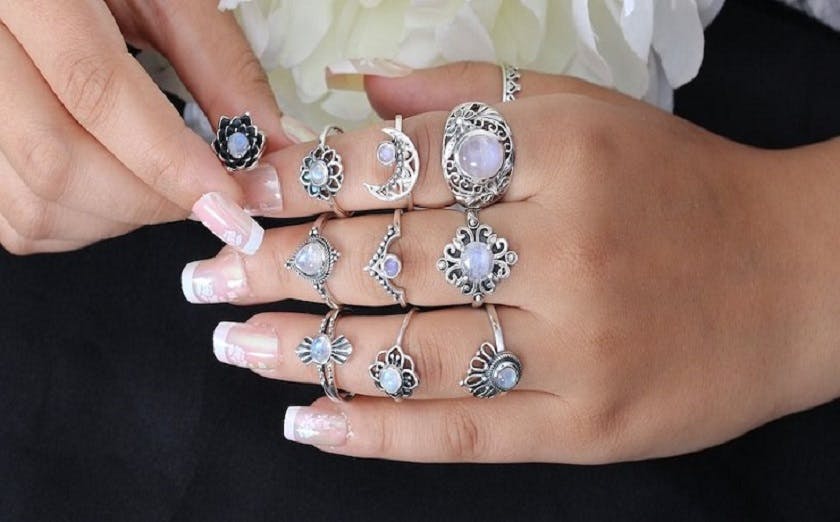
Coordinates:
[505,377]
[319,173]
[480,155]
[386,153]
[238,145]
[390,378]
[312,259]
[321,349]
[392,266]
[477,261]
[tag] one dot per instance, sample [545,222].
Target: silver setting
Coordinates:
[241,128]
[318,278]
[406,164]
[396,363]
[322,172]
[510,82]
[492,364]
[452,264]
[382,259]
[325,351]
[465,121]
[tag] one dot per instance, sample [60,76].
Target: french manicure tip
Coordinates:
[255,239]
[220,335]
[289,422]
[187,282]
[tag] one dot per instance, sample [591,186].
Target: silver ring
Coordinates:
[322,172]
[325,351]
[510,82]
[477,259]
[239,144]
[393,370]
[493,369]
[314,260]
[400,152]
[478,154]
[386,266]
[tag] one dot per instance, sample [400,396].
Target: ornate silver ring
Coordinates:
[322,172]
[386,266]
[510,82]
[325,351]
[478,154]
[477,259]
[493,369]
[239,144]
[393,370]
[400,152]
[314,260]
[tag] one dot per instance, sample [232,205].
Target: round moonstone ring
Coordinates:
[385,266]
[324,351]
[478,154]
[314,260]
[393,370]
[322,172]
[239,144]
[493,370]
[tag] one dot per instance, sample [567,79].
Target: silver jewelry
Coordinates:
[239,144]
[393,370]
[322,172]
[510,82]
[386,266]
[493,370]
[325,351]
[476,259]
[314,260]
[400,152]
[478,154]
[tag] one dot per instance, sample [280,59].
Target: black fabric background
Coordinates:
[112,406]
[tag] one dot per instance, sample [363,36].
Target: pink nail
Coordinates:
[262,190]
[296,130]
[229,222]
[317,427]
[246,345]
[221,279]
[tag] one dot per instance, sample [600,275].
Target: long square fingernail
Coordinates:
[229,222]
[261,186]
[221,279]
[313,426]
[246,345]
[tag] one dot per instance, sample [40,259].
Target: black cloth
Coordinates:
[112,406]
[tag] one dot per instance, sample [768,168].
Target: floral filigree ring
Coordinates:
[322,172]
[239,144]
[325,351]
[393,370]
[493,370]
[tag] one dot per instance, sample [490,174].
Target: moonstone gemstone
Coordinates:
[506,377]
[476,261]
[319,173]
[321,349]
[392,266]
[386,153]
[238,145]
[390,378]
[481,155]
[311,259]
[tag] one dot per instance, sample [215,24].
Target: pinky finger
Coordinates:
[15,243]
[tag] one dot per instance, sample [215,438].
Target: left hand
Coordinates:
[660,303]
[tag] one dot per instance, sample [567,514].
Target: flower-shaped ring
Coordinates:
[393,370]
[239,143]
[493,369]
[322,173]
[325,351]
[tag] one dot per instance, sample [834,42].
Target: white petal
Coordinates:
[678,39]
[419,49]
[519,30]
[559,42]
[255,26]
[353,106]
[629,71]
[587,60]
[229,5]
[659,91]
[304,26]
[709,9]
[637,26]
[465,38]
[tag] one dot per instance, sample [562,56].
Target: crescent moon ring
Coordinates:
[400,152]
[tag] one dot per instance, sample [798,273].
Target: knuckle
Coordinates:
[30,217]
[600,432]
[16,244]
[422,135]
[462,438]
[418,255]
[90,86]
[46,164]
[428,345]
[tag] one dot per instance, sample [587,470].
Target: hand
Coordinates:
[663,300]
[91,148]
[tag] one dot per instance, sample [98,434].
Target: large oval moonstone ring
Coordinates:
[478,154]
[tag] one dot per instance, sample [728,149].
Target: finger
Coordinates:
[440,345]
[441,88]
[58,160]
[518,427]
[264,277]
[16,244]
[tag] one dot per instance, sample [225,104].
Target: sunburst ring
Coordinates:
[315,259]
[477,259]
[477,155]
[393,371]
[400,153]
[385,266]
[493,370]
[324,351]
[322,171]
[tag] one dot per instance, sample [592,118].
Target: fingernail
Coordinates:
[317,427]
[229,222]
[374,66]
[296,130]
[246,345]
[262,190]
[218,280]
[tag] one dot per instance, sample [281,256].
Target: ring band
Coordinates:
[393,371]
[493,370]
[325,351]
[239,144]
[510,82]
[400,152]
[314,260]
[322,171]
[386,266]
